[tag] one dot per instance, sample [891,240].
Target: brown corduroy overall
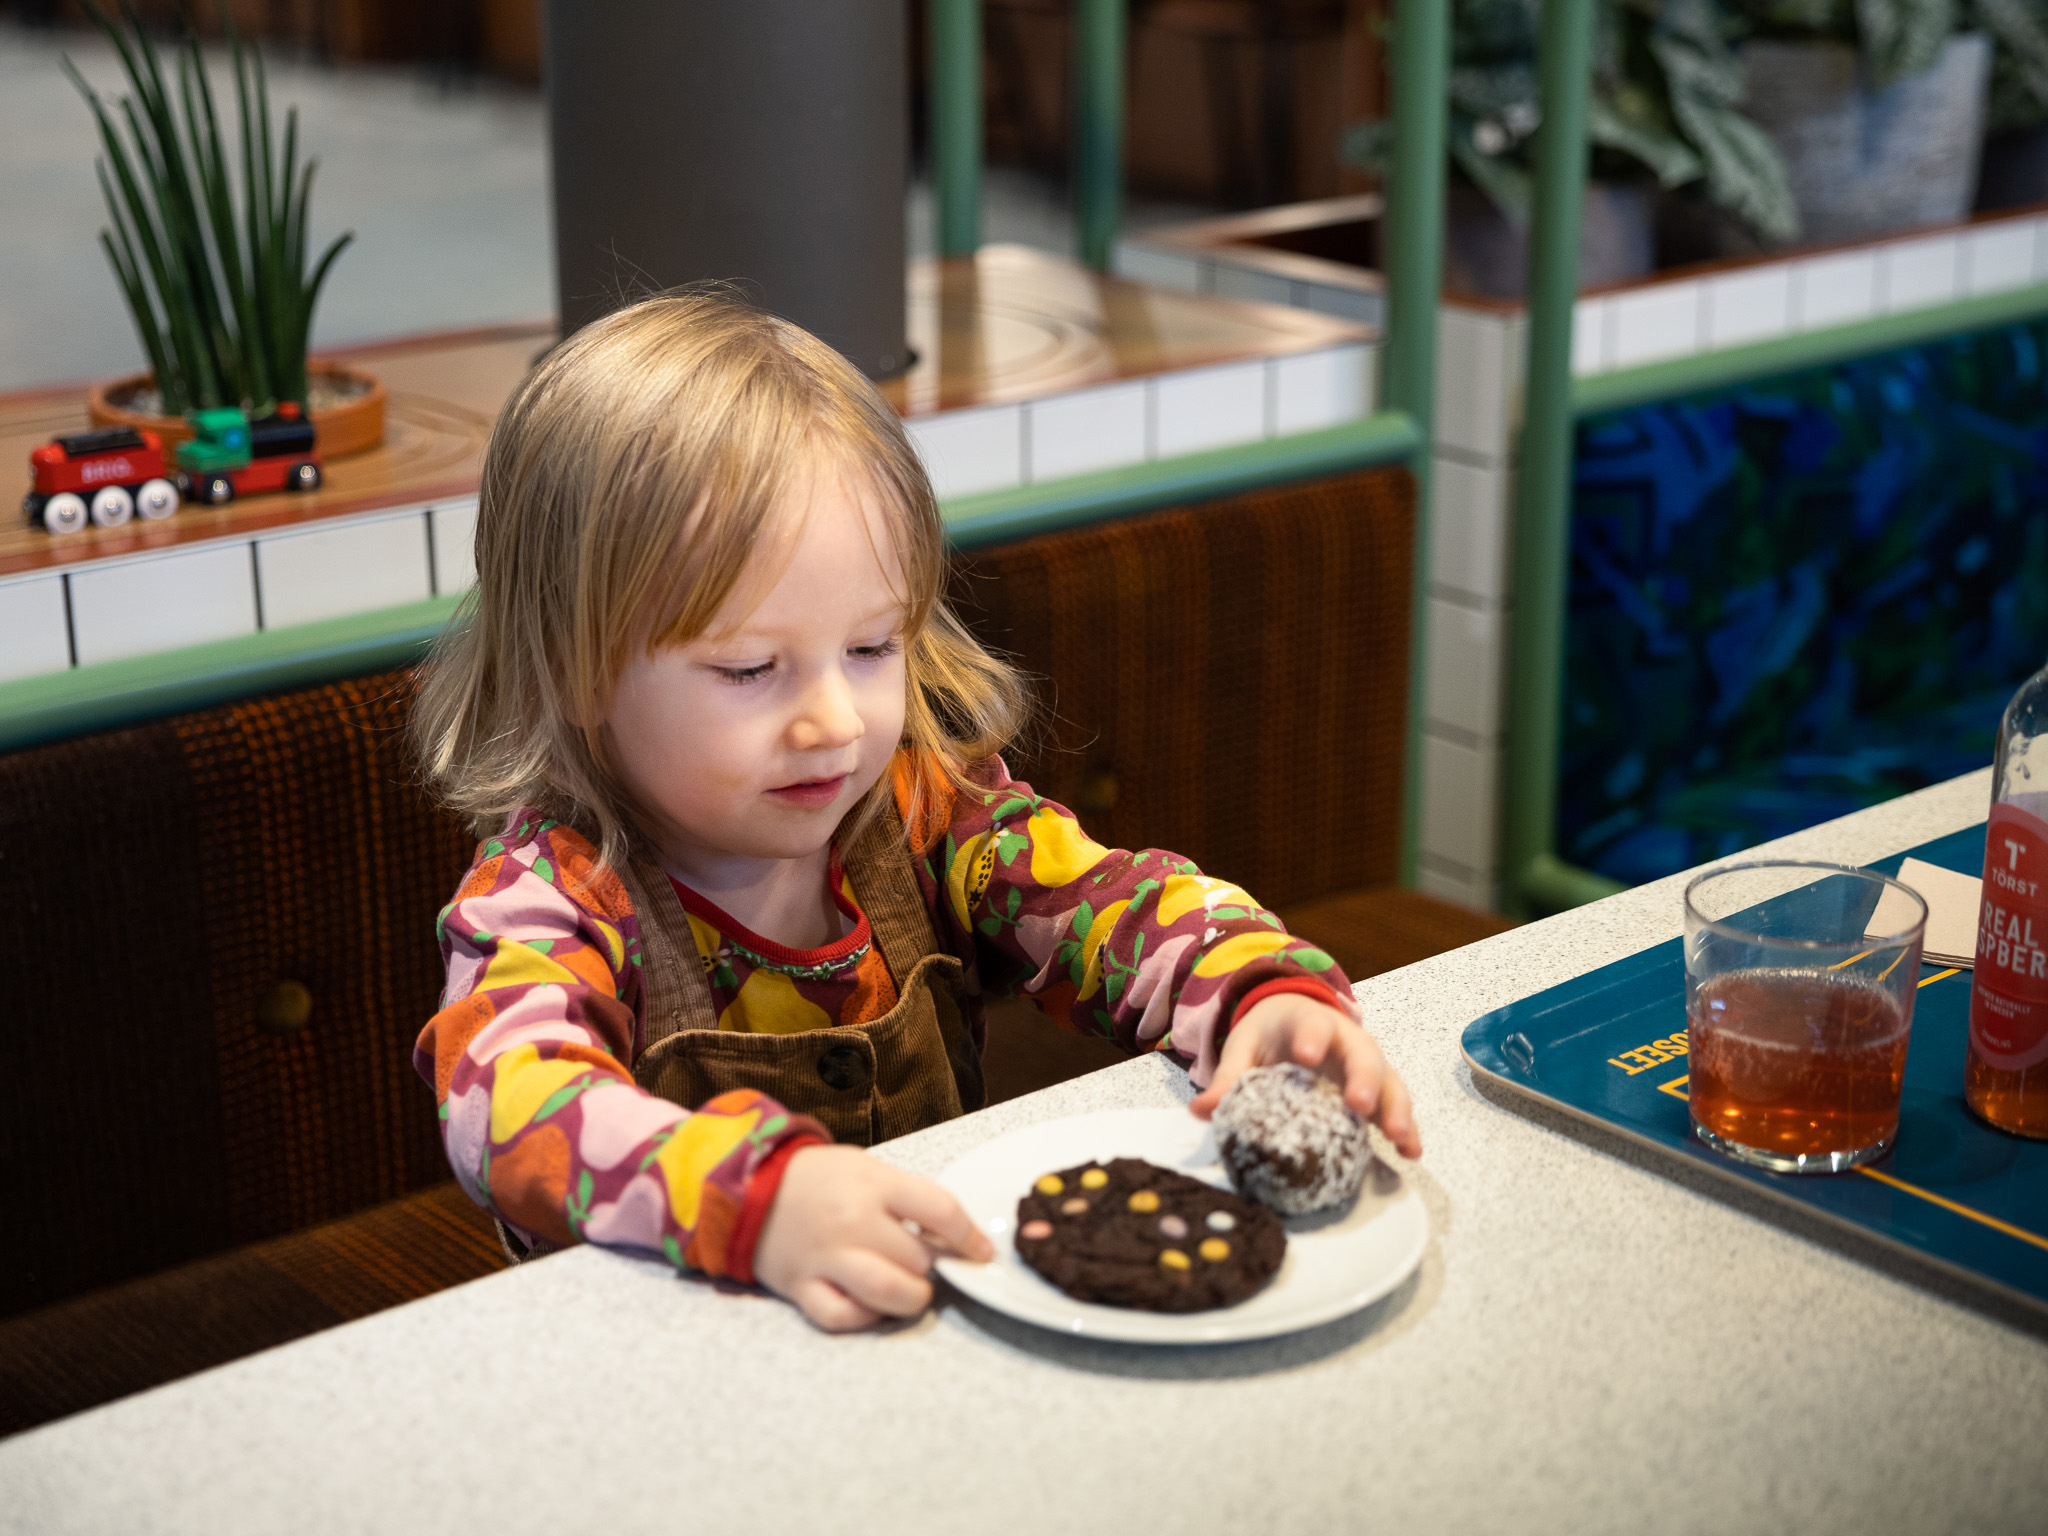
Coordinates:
[914,1066]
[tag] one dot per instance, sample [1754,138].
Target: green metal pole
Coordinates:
[956,124]
[1414,246]
[1098,127]
[1543,493]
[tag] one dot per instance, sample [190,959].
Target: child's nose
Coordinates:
[829,716]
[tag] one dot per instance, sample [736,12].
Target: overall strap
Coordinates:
[675,992]
[878,864]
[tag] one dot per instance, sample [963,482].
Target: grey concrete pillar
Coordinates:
[758,140]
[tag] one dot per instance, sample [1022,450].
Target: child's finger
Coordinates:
[942,1220]
[1397,1115]
[829,1307]
[877,1284]
[1309,1040]
[1365,1071]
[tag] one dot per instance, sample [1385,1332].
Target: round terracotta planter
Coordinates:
[340,430]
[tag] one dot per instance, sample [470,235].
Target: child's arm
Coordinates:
[542,1122]
[1144,949]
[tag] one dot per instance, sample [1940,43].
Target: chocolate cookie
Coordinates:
[1289,1139]
[1130,1234]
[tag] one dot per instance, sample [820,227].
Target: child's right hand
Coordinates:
[835,1242]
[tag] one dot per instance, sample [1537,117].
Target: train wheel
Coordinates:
[64,513]
[215,490]
[111,506]
[155,499]
[304,477]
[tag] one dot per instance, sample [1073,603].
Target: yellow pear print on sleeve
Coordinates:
[1091,948]
[1183,893]
[699,1145]
[769,1004]
[515,965]
[521,1083]
[1240,949]
[1061,852]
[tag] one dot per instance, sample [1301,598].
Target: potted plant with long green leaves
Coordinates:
[1665,115]
[219,280]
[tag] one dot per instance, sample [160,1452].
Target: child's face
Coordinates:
[751,741]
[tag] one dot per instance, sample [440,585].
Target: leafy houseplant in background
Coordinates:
[2015,166]
[220,289]
[1879,105]
[1666,111]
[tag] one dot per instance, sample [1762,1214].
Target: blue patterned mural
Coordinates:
[1793,598]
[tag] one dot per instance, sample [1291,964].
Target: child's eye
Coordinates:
[751,674]
[879,652]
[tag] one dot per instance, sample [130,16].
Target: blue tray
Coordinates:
[1951,1191]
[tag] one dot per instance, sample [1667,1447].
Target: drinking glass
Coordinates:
[1797,1023]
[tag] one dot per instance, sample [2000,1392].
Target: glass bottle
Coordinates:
[2005,1079]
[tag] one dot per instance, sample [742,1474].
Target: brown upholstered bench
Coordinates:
[211,1136]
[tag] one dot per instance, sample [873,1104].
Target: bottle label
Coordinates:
[2009,990]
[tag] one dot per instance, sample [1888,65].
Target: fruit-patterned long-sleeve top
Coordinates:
[530,1053]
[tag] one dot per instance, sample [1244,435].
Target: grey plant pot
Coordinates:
[1485,254]
[1864,162]
[2015,169]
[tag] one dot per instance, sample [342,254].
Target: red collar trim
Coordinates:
[855,940]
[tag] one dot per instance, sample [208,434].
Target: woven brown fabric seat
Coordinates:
[78,1354]
[1228,681]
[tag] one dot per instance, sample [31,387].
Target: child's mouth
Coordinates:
[812,794]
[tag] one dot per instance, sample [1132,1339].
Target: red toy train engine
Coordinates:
[104,476]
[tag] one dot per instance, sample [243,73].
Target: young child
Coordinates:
[753,857]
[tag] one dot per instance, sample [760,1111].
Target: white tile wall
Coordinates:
[1228,281]
[1589,337]
[1999,256]
[1088,430]
[1465,650]
[1917,273]
[1749,304]
[1323,389]
[972,450]
[1459,806]
[1834,290]
[1208,408]
[1143,264]
[1654,322]
[351,567]
[1345,303]
[34,636]
[1448,882]
[1468,548]
[133,607]
[454,546]
[1478,382]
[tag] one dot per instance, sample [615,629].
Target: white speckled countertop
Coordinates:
[1589,1346]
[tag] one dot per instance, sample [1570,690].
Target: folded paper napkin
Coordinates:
[1952,903]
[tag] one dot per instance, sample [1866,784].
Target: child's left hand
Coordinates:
[1291,1027]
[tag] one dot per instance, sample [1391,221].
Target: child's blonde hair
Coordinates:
[623,489]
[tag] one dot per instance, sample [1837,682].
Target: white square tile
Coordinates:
[1365,306]
[972,450]
[1474,382]
[1468,888]
[141,606]
[1463,689]
[1458,802]
[33,635]
[1834,290]
[1998,257]
[1589,336]
[1164,269]
[1322,389]
[1234,282]
[454,546]
[1088,430]
[2041,249]
[353,568]
[1468,541]
[1658,321]
[1749,304]
[1208,408]
[1918,274]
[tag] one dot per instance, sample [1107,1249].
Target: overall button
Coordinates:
[844,1067]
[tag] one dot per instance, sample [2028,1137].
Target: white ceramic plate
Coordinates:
[1333,1266]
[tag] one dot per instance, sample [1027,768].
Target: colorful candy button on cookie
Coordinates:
[1138,1235]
